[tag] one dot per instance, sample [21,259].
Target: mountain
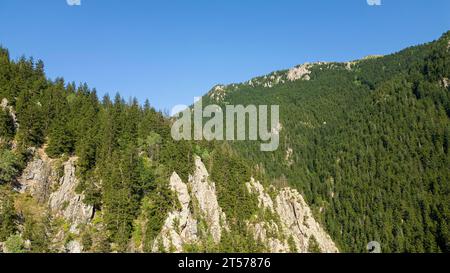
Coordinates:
[196,222]
[363,157]
[365,142]
[82,175]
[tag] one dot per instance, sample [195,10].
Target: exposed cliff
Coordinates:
[198,200]
[52,183]
[66,203]
[282,223]
[292,227]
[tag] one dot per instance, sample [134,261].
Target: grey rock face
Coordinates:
[180,226]
[38,179]
[204,192]
[198,202]
[296,222]
[65,202]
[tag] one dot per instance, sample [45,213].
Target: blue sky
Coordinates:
[172,50]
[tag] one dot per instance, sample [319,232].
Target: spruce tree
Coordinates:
[7,127]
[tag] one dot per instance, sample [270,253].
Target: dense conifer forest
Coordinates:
[125,156]
[366,143]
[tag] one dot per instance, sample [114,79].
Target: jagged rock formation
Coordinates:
[295,222]
[66,203]
[218,93]
[291,232]
[38,178]
[198,197]
[180,226]
[204,194]
[300,72]
[52,182]
[198,216]
[298,222]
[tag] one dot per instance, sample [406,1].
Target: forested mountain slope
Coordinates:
[366,142]
[79,174]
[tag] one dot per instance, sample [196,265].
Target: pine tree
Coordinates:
[61,140]
[7,215]
[31,120]
[7,127]
[9,166]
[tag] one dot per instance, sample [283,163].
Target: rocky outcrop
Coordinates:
[66,203]
[290,229]
[198,216]
[264,200]
[445,82]
[289,156]
[180,227]
[300,72]
[38,178]
[298,222]
[198,202]
[295,227]
[204,193]
[54,183]
[218,93]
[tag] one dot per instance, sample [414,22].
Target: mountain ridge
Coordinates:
[352,121]
[364,154]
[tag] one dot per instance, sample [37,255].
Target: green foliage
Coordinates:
[123,149]
[9,165]
[239,242]
[8,216]
[31,120]
[37,231]
[86,240]
[230,173]
[94,237]
[7,127]
[370,153]
[292,246]
[313,245]
[203,153]
[370,147]
[155,208]
[15,244]
[61,140]
[151,145]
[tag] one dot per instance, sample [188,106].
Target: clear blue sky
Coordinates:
[172,50]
